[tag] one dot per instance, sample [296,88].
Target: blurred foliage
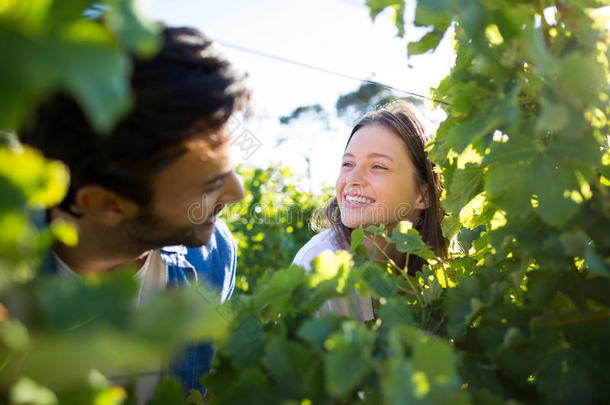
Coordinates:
[353,105]
[72,341]
[367,97]
[49,46]
[298,112]
[27,181]
[65,335]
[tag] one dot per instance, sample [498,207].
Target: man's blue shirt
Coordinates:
[215,264]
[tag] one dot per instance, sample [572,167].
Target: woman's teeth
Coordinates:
[358,199]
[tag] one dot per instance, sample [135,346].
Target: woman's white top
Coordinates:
[354,306]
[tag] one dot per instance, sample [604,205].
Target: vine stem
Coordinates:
[401,271]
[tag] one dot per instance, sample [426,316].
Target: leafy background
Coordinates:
[521,316]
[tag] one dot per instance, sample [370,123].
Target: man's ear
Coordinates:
[102,205]
[422,201]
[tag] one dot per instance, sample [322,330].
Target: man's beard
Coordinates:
[150,231]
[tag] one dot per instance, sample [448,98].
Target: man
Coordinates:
[133,194]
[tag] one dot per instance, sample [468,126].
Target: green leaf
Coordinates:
[14,335]
[102,330]
[510,187]
[584,87]
[97,76]
[317,330]
[195,398]
[44,182]
[554,116]
[288,363]
[465,96]
[136,33]
[481,246]
[554,184]
[170,391]
[329,265]
[431,375]
[428,42]
[459,133]
[68,10]
[357,239]
[348,359]
[109,301]
[399,18]
[377,6]
[595,263]
[110,396]
[477,212]
[518,149]
[464,302]
[484,397]
[245,343]
[565,355]
[400,386]
[463,186]
[564,377]
[278,292]
[28,392]
[543,284]
[409,241]
[433,12]
[378,282]
[395,311]
[450,226]
[81,58]
[32,14]
[64,232]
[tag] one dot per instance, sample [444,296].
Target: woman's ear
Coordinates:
[423,198]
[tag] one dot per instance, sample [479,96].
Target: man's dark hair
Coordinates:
[186,90]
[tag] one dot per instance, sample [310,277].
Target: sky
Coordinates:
[335,35]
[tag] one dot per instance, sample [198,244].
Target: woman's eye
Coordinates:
[380,167]
[347,164]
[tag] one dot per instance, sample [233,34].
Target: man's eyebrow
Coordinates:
[374,154]
[217,178]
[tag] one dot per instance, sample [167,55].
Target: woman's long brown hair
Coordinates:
[399,117]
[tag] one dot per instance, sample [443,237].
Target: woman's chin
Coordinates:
[353,223]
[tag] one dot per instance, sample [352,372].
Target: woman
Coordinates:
[385,178]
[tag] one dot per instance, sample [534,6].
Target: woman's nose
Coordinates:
[356,177]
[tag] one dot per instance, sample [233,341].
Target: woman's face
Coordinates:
[377,180]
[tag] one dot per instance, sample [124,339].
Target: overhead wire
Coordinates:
[324,70]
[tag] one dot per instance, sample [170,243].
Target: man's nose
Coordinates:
[234,188]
